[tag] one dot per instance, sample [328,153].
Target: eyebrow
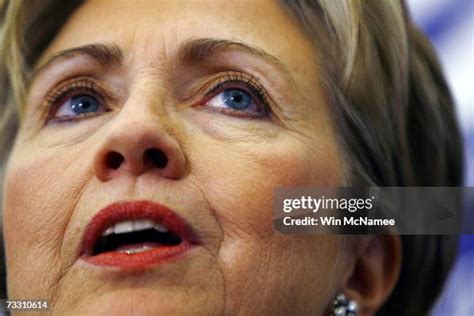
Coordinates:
[106,54]
[197,50]
[192,51]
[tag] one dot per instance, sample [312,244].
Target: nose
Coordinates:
[138,147]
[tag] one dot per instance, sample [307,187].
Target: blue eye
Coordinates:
[79,105]
[237,100]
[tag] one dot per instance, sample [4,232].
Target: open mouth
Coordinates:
[135,235]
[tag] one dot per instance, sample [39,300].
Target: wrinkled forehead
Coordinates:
[155,29]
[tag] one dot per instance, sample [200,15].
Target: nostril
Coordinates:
[156,157]
[114,160]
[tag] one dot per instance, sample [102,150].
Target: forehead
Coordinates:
[158,27]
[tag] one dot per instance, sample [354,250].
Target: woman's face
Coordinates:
[203,107]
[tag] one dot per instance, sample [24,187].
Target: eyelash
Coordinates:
[233,79]
[250,84]
[67,90]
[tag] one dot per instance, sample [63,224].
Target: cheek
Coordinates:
[239,180]
[39,193]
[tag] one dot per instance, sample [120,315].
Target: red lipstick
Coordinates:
[135,235]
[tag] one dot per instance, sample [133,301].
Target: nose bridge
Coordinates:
[137,140]
[147,96]
[142,118]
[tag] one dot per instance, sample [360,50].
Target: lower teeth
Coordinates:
[136,250]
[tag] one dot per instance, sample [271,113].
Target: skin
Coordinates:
[220,177]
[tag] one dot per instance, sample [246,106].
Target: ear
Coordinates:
[375,271]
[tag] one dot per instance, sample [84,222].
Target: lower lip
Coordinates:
[140,260]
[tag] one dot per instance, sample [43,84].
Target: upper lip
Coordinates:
[131,210]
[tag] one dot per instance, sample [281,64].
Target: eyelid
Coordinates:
[247,83]
[57,96]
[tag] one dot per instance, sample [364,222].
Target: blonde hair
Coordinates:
[12,78]
[393,111]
